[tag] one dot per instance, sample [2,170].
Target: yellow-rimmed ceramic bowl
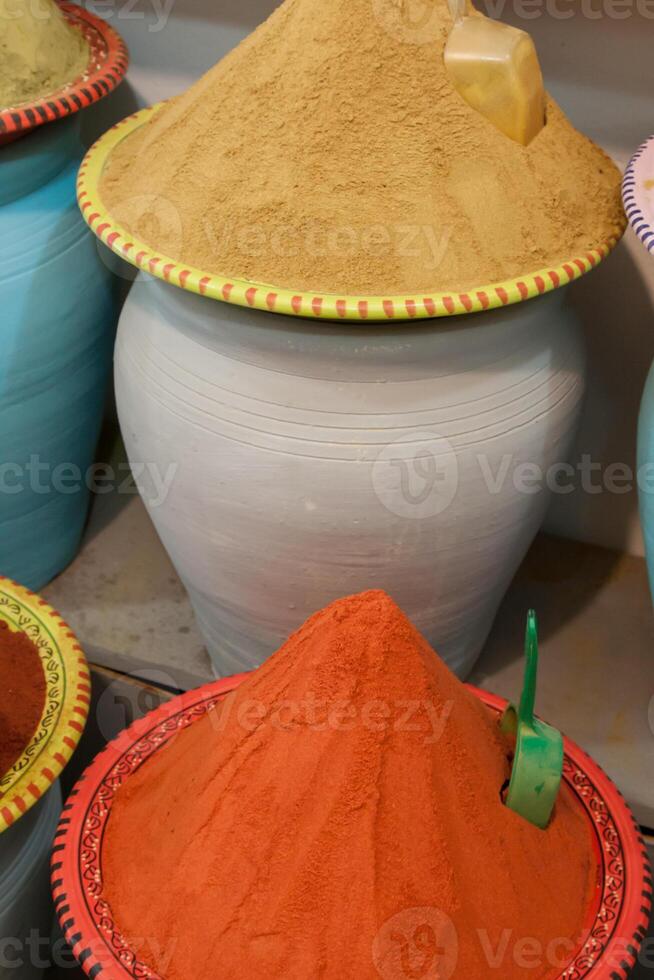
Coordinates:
[67,699]
[263,296]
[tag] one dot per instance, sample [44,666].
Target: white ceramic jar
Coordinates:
[310,460]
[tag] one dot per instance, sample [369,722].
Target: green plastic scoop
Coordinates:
[538,763]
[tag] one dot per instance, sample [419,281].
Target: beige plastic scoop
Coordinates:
[495,68]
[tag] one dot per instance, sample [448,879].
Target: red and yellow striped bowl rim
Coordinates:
[108,61]
[67,700]
[328,306]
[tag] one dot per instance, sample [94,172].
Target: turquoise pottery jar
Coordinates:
[645,465]
[638,197]
[58,313]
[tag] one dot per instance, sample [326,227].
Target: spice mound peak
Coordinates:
[39,50]
[330,152]
[347,793]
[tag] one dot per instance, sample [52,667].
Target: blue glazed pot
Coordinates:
[645,461]
[638,197]
[57,316]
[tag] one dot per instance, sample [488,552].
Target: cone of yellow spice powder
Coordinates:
[330,152]
[40,51]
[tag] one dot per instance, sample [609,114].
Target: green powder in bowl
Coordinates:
[40,51]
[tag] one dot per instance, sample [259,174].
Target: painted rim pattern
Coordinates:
[617,923]
[67,700]
[634,190]
[270,298]
[107,66]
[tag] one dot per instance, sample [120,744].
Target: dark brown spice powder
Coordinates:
[22,683]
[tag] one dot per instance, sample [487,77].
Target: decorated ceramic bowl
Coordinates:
[67,699]
[108,59]
[276,299]
[638,193]
[616,919]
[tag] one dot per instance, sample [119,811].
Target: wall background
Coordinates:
[599,64]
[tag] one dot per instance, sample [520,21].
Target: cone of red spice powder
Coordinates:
[339,817]
[23,694]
